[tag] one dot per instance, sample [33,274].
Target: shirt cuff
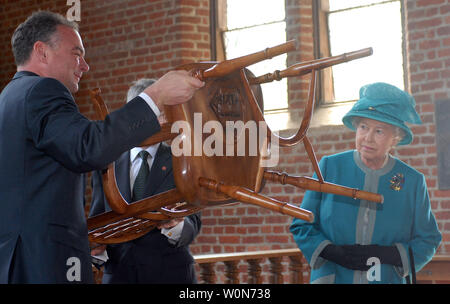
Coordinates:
[150,103]
[174,233]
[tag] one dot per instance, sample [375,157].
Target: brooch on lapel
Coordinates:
[397,182]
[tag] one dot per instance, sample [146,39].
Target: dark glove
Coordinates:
[386,254]
[355,257]
[346,256]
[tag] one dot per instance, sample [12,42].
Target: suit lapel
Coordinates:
[162,166]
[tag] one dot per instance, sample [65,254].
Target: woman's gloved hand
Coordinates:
[355,257]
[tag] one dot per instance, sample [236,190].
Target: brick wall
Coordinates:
[429,66]
[12,13]
[126,40]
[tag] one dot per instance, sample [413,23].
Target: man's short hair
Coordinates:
[138,87]
[40,26]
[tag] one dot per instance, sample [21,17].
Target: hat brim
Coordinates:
[348,121]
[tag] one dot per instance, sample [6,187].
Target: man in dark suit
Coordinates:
[46,145]
[162,255]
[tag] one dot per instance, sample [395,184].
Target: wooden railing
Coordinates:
[436,271]
[254,260]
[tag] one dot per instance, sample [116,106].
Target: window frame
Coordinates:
[322,49]
[218,22]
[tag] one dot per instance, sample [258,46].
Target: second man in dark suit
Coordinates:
[162,255]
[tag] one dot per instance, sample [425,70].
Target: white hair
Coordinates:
[138,87]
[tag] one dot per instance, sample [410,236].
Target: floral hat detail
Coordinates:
[386,103]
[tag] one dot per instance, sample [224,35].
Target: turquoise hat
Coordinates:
[386,103]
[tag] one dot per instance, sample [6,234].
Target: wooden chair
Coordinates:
[230,97]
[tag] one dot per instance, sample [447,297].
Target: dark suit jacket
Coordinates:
[150,258]
[45,146]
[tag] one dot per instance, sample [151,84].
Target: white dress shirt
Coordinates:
[136,161]
[174,233]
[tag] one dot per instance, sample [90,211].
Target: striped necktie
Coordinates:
[141,177]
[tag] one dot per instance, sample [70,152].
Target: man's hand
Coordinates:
[98,250]
[173,88]
[170,224]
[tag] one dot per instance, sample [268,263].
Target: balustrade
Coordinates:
[436,271]
[208,262]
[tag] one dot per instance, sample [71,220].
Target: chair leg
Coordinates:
[250,197]
[309,183]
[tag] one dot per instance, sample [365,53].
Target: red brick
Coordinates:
[422,3]
[427,140]
[252,239]
[252,210]
[229,221]
[225,239]
[411,151]
[229,229]
[431,86]
[253,229]
[252,220]
[218,229]
[430,65]
[276,219]
[277,238]
[442,193]
[217,212]
[229,211]
[206,239]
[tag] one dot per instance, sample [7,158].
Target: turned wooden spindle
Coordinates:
[276,270]
[254,271]
[207,273]
[228,66]
[309,183]
[306,67]
[296,269]
[231,272]
[250,197]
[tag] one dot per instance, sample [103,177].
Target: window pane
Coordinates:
[360,28]
[246,41]
[344,4]
[251,12]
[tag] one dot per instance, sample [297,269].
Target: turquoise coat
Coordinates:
[404,219]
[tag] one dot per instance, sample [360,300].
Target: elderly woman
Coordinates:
[357,241]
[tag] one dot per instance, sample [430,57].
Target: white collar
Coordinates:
[151,150]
